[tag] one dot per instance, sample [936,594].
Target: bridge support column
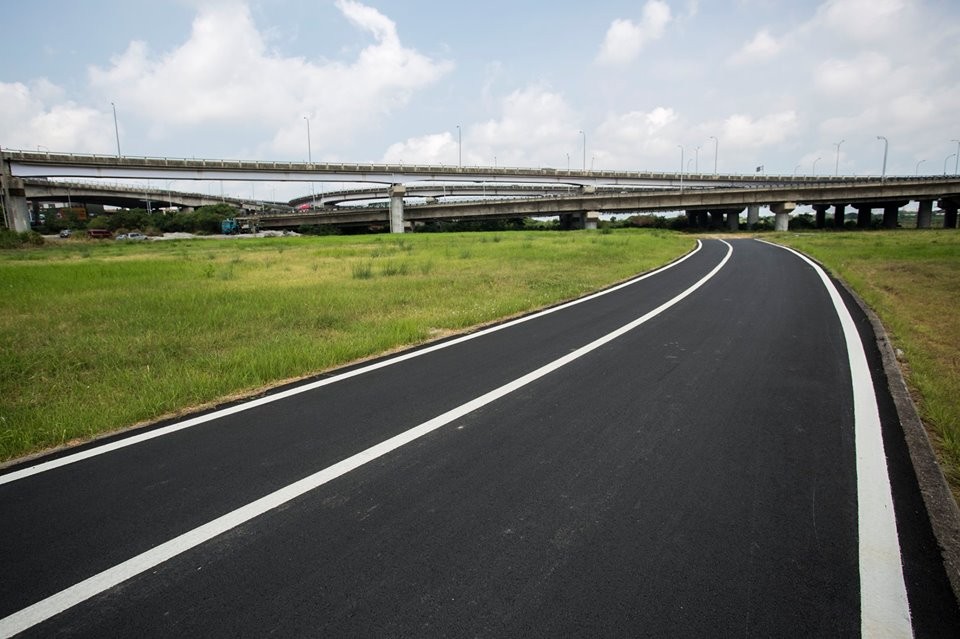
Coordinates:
[396,207]
[703,219]
[781,211]
[924,214]
[864,215]
[15,208]
[753,215]
[949,207]
[733,219]
[821,211]
[891,215]
[590,220]
[839,215]
[716,219]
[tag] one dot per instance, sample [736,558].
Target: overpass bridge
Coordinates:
[43,190]
[723,205]
[699,194]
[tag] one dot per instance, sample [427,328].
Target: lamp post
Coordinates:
[568,162]
[696,164]
[716,148]
[680,146]
[883,173]
[795,169]
[116,129]
[945,160]
[584,150]
[956,164]
[459,146]
[814,172]
[836,166]
[918,166]
[309,146]
[313,195]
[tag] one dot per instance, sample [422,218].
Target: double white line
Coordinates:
[69,597]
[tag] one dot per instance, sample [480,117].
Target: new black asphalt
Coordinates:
[694,477]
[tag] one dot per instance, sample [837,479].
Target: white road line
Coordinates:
[884,608]
[196,421]
[46,608]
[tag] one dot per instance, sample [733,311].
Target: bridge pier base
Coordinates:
[891,215]
[949,207]
[396,208]
[924,214]
[733,219]
[753,216]
[839,215]
[864,215]
[781,211]
[15,208]
[821,211]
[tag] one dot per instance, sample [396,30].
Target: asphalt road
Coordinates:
[675,457]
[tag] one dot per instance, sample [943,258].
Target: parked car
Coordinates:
[122,236]
[98,234]
[66,233]
[137,236]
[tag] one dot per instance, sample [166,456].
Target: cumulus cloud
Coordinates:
[535,127]
[37,116]
[864,20]
[762,47]
[226,74]
[625,38]
[747,132]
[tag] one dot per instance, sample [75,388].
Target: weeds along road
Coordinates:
[679,456]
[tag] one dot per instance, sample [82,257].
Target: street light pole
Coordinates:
[116,129]
[309,149]
[584,150]
[716,148]
[696,164]
[459,146]
[918,166]
[883,174]
[956,164]
[945,160]
[815,166]
[681,167]
[836,167]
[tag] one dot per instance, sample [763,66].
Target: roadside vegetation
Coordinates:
[911,279]
[96,336]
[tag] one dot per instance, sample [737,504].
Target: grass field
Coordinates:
[912,280]
[97,336]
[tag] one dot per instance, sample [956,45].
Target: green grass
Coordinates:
[912,281]
[97,336]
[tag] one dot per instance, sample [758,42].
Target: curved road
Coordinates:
[699,452]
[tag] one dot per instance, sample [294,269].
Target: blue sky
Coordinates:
[777,83]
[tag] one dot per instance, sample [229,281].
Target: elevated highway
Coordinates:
[586,196]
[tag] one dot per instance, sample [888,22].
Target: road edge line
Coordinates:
[884,604]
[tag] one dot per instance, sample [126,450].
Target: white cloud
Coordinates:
[762,47]
[852,75]
[535,127]
[224,74]
[864,20]
[625,38]
[747,132]
[37,116]
[435,149]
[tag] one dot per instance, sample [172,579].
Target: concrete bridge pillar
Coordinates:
[396,207]
[891,215]
[924,214]
[839,215]
[15,208]
[781,211]
[590,220]
[864,215]
[703,219]
[733,219]
[949,207]
[716,218]
[753,215]
[821,211]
